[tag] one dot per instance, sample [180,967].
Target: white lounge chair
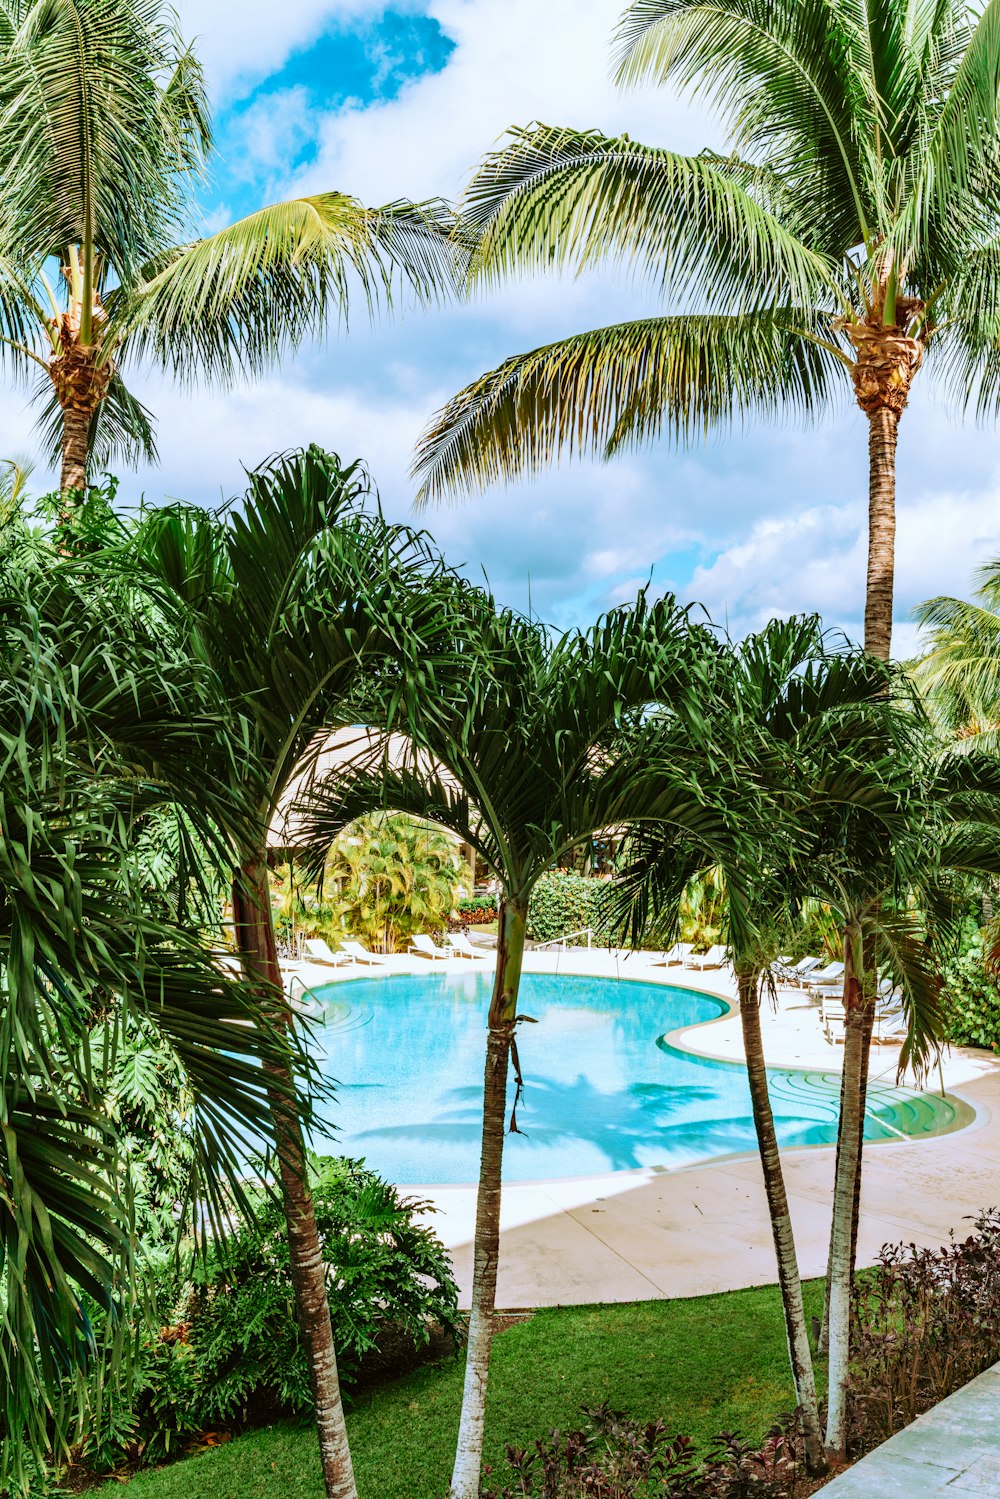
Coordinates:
[424,947]
[795,973]
[825,975]
[834,1018]
[462,948]
[358,954]
[318,951]
[714,958]
[679,953]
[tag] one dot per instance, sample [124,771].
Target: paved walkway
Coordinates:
[951,1452]
[646,1234]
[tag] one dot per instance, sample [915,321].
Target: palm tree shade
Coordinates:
[104,133]
[851,236]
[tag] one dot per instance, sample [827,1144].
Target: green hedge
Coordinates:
[566,902]
[973,1003]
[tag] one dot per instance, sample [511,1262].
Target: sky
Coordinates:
[401,102]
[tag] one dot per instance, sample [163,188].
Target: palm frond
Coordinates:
[227,306]
[773,69]
[556,197]
[597,393]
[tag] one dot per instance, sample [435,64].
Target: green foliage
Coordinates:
[393,876]
[563,901]
[704,1364]
[973,1002]
[477,910]
[228,1350]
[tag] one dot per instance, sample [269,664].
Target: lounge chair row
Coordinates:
[319,951]
[682,953]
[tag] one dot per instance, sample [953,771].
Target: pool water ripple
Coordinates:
[604,1090]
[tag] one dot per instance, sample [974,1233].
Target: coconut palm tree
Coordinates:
[512,747]
[289,600]
[851,234]
[104,133]
[89,709]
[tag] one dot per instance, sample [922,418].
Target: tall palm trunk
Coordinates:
[467,1471]
[75,452]
[883,431]
[789,1279]
[254,922]
[841,1263]
[886,361]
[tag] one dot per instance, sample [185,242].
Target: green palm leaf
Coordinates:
[561,197]
[226,306]
[596,393]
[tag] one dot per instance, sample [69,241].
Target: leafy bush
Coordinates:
[617,1458]
[228,1353]
[974,1002]
[926,1321]
[478,910]
[563,901]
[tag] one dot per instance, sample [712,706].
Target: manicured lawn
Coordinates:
[711,1364]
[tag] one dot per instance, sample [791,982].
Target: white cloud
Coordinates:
[814,560]
[240,44]
[514,61]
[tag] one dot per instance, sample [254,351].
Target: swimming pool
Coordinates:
[603,1089]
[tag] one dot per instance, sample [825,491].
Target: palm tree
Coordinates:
[813,743]
[88,725]
[851,233]
[104,132]
[289,600]
[395,876]
[959,676]
[513,749]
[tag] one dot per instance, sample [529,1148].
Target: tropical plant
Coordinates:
[512,748]
[852,232]
[393,876]
[972,997]
[88,739]
[227,1352]
[289,600]
[959,675]
[104,134]
[815,745]
[563,901]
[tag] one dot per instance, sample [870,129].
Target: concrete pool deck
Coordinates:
[691,1231]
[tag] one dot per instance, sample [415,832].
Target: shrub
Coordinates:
[229,1354]
[926,1321]
[477,910]
[614,1457]
[974,1002]
[563,901]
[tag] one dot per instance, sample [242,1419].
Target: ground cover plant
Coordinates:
[705,1365]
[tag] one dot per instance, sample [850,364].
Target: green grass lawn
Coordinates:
[711,1364]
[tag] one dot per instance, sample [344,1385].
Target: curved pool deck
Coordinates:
[693,1230]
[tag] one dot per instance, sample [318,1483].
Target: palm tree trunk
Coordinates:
[789,1280]
[254,922]
[883,429]
[840,1272]
[467,1471]
[75,453]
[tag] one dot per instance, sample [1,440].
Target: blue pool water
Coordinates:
[603,1090]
